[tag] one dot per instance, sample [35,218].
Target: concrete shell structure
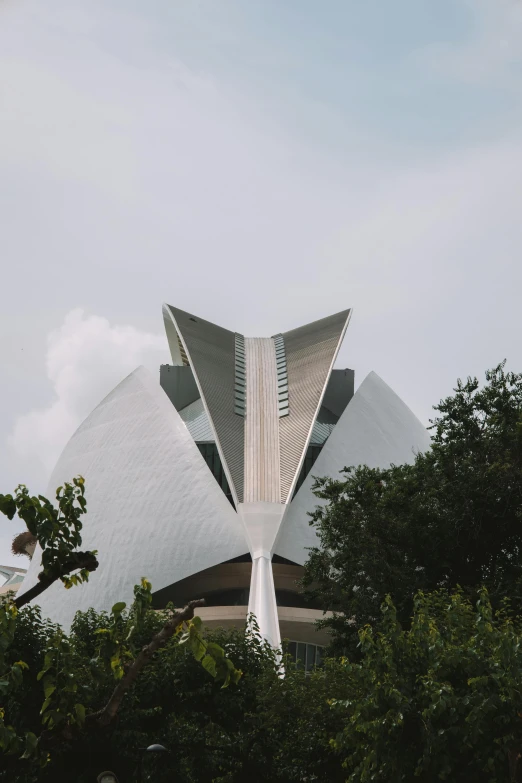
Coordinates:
[203,483]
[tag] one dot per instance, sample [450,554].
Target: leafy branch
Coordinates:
[58,532]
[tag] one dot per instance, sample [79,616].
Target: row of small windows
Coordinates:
[240,376]
[282,376]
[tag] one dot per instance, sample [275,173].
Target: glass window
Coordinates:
[311,455]
[211,456]
[301,654]
[305,656]
[310,657]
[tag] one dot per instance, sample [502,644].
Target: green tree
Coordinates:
[441,700]
[451,518]
[266,728]
[66,690]
[76,703]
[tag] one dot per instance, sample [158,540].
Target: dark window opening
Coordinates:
[239,596]
[312,453]
[283,561]
[235,597]
[246,558]
[211,456]
[295,600]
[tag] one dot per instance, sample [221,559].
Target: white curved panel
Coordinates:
[376,429]
[153,507]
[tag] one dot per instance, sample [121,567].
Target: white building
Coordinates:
[203,483]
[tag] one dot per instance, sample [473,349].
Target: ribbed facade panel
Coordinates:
[310,351]
[211,352]
[262,423]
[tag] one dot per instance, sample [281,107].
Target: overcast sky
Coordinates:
[261,163]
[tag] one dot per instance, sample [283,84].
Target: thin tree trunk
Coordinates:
[108,713]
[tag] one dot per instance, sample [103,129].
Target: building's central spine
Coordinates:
[262,468]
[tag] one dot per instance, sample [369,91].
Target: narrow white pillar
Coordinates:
[262,602]
[262,521]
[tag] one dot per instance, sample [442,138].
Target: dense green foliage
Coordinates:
[440,700]
[453,517]
[263,729]
[174,702]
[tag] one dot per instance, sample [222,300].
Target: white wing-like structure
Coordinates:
[192,485]
[261,397]
[376,429]
[153,507]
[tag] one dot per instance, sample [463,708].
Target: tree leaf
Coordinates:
[80,713]
[209,665]
[31,743]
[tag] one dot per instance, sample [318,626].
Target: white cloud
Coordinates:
[86,357]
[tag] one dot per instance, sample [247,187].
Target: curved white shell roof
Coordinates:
[376,429]
[154,508]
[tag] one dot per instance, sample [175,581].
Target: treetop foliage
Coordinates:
[453,517]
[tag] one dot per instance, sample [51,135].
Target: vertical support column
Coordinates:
[262,602]
[262,521]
